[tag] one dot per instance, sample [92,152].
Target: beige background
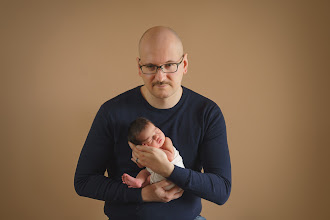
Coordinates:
[266,64]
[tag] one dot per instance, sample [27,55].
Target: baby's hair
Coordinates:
[135,128]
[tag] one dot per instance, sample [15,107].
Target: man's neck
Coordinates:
[162,103]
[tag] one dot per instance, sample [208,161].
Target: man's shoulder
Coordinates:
[205,107]
[123,97]
[198,98]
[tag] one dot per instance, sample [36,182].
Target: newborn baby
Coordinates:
[144,132]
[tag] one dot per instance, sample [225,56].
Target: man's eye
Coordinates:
[151,67]
[169,65]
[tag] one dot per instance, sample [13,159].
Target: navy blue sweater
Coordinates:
[197,129]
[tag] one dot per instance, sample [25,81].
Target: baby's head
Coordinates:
[144,132]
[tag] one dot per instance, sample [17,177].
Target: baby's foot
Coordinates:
[131,181]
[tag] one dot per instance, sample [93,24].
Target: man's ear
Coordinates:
[138,65]
[185,64]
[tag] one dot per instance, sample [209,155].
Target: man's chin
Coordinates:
[161,93]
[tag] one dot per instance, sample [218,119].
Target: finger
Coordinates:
[174,190]
[138,161]
[137,147]
[135,150]
[163,183]
[144,148]
[135,155]
[177,195]
[131,145]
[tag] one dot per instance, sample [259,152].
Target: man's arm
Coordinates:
[215,183]
[156,192]
[95,157]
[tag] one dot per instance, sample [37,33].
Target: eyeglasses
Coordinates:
[150,69]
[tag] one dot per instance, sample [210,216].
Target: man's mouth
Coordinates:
[160,84]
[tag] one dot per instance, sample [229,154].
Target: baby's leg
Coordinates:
[147,182]
[138,182]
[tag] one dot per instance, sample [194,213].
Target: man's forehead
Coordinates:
[158,59]
[160,42]
[160,55]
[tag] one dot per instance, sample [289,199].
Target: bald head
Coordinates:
[159,39]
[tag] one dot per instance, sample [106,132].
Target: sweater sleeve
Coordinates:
[215,183]
[95,157]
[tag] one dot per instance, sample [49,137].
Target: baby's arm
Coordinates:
[168,149]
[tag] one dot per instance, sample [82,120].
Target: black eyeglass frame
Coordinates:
[161,67]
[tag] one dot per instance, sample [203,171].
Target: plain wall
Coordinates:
[265,63]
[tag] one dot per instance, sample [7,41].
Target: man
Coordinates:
[194,123]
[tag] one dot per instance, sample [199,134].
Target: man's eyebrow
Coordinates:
[151,64]
[170,61]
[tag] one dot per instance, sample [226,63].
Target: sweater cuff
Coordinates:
[134,195]
[179,176]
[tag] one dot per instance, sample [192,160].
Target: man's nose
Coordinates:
[160,75]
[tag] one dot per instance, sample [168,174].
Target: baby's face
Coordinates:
[152,136]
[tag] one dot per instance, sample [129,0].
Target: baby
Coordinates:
[144,132]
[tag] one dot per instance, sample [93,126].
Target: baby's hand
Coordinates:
[168,149]
[167,142]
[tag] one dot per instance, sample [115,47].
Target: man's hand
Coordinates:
[151,157]
[156,192]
